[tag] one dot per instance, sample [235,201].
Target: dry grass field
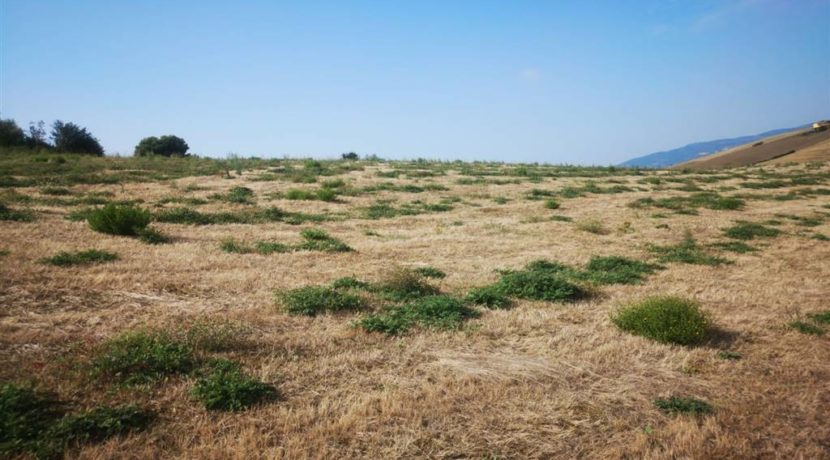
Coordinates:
[536,379]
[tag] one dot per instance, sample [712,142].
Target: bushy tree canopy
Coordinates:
[165,145]
[71,138]
[10,134]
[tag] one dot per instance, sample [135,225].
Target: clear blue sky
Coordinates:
[548,81]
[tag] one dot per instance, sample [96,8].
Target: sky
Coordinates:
[518,81]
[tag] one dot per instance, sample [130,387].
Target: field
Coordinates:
[507,358]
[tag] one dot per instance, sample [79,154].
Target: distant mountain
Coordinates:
[690,152]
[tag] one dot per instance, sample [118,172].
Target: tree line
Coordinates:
[68,137]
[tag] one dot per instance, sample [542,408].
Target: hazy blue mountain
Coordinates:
[691,151]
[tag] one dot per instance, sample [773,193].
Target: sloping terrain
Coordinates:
[689,152]
[804,145]
[284,317]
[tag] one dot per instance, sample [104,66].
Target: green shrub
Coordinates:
[150,235]
[665,319]
[683,405]
[551,204]
[7,213]
[88,257]
[432,312]
[96,425]
[143,357]
[489,296]
[319,240]
[430,272]
[349,282]
[403,285]
[271,247]
[687,251]
[750,230]
[25,415]
[240,195]
[617,270]
[540,280]
[314,300]
[807,328]
[116,219]
[226,387]
[822,317]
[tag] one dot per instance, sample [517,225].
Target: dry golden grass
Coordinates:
[536,381]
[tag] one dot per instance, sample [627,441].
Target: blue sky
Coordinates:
[558,82]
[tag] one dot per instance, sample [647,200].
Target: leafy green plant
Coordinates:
[349,282]
[807,328]
[675,405]
[271,247]
[665,319]
[25,414]
[7,213]
[489,296]
[431,312]
[226,387]
[319,240]
[88,257]
[143,356]
[314,300]
[402,285]
[750,230]
[822,317]
[735,246]
[617,270]
[117,219]
[551,204]
[96,425]
[687,251]
[150,235]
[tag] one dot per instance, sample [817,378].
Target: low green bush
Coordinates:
[750,230]
[617,270]
[139,357]
[314,300]
[431,312]
[88,257]
[318,240]
[114,219]
[666,319]
[489,296]
[683,405]
[226,387]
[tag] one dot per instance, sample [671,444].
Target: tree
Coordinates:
[350,156]
[71,138]
[37,135]
[165,146]
[10,134]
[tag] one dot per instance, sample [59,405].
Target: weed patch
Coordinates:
[665,319]
[318,240]
[142,357]
[430,272]
[88,257]
[750,230]
[7,213]
[676,405]
[687,251]
[226,387]
[431,312]
[116,219]
[617,270]
[315,300]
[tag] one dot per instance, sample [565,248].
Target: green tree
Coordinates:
[71,138]
[10,134]
[165,146]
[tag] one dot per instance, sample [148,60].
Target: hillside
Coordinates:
[689,152]
[803,145]
[287,309]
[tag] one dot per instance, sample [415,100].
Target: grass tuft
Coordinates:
[139,357]
[226,387]
[676,405]
[114,219]
[88,257]
[315,300]
[666,319]
[432,312]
